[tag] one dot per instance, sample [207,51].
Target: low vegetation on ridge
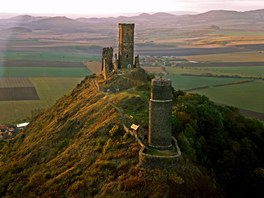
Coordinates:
[78,148]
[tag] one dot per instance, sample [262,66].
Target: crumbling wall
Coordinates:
[107,59]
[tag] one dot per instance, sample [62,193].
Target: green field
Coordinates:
[52,77]
[246,96]
[190,82]
[51,54]
[53,70]
[250,71]
[43,72]
[49,90]
[243,71]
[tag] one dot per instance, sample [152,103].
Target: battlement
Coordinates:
[161,89]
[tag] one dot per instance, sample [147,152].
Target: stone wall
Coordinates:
[126,45]
[159,162]
[107,59]
[160,111]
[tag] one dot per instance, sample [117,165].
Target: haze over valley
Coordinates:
[154,104]
[188,48]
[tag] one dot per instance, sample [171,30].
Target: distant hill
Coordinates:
[223,18]
[57,23]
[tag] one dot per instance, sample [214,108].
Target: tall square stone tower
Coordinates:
[126,45]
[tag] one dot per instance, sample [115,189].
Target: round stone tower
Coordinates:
[160,110]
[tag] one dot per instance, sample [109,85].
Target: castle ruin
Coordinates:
[126,45]
[162,150]
[107,61]
[125,57]
[160,111]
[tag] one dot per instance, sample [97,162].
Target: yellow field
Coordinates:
[216,39]
[256,56]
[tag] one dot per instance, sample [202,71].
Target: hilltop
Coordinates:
[78,147]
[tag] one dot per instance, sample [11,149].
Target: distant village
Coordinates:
[9,131]
[164,61]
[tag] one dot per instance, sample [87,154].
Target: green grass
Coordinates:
[250,71]
[246,96]
[243,71]
[190,82]
[49,90]
[43,72]
[49,55]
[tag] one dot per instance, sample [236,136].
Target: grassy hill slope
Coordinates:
[77,148]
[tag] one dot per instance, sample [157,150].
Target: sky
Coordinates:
[117,7]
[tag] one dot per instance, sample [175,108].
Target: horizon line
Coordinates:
[129,14]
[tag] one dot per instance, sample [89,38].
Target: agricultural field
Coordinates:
[247,96]
[34,74]
[54,58]
[239,86]
[43,72]
[13,89]
[252,56]
[49,89]
[65,53]
[243,72]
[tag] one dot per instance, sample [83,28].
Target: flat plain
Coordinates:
[49,89]
[247,96]
[55,56]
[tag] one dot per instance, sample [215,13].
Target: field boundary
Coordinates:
[18,93]
[220,85]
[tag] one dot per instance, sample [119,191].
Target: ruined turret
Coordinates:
[137,61]
[107,61]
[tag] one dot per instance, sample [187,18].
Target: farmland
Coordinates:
[13,89]
[238,86]
[245,72]
[246,96]
[43,72]
[201,56]
[253,56]
[195,82]
[49,89]
[39,76]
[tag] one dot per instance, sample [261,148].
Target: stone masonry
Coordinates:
[160,111]
[125,57]
[126,45]
[107,61]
